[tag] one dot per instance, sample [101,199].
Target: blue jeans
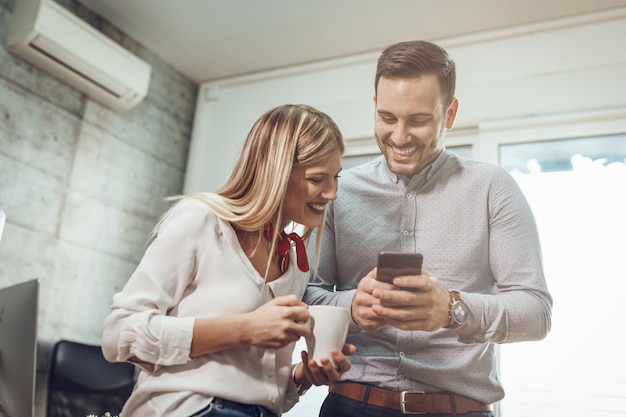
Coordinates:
[224,408]
[338,406]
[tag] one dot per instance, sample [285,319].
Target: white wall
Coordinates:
[556,67]
[343,89]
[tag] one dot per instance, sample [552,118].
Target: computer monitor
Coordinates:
[18,348]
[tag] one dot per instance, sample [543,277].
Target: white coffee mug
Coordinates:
[329,325]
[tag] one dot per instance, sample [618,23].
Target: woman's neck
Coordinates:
[257,249]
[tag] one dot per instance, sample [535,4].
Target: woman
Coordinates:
[212,311]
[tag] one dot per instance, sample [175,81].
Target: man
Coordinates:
[426,343]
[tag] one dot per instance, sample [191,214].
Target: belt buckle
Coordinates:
[403,395]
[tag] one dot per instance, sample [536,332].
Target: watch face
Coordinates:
[459,312]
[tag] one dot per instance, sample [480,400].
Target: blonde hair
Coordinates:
[285,137]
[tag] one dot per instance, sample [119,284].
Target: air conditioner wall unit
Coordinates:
[53,39]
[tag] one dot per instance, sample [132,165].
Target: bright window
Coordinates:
[577,189]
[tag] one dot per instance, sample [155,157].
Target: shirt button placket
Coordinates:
[408,220]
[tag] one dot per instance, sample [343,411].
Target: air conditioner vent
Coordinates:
[51,38]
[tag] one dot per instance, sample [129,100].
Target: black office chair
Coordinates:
[83,382]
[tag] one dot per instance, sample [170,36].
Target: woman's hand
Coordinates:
[271,326]
[277,323]
[308,372]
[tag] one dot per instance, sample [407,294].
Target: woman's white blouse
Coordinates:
[195,267]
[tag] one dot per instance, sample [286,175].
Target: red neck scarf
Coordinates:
[283,244]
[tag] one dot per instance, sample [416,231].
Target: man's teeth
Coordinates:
[405,152]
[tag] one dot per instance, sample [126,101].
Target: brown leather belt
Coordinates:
[408,402]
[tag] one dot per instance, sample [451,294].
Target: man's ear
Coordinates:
[451,113]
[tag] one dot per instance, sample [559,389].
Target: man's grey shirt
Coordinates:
[478,236]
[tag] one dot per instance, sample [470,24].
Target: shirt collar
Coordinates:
[424,175]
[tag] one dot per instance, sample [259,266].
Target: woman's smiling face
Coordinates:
[310,188]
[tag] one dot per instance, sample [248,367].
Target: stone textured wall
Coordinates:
[82,185]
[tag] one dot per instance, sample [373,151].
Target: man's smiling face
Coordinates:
[411,122]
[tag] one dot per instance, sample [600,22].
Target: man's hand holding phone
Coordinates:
[377,286]
[417,301]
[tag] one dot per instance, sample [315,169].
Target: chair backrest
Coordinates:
[83,382]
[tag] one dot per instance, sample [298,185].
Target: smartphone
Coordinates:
[392,264]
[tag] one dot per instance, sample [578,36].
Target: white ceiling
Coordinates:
[212,39]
